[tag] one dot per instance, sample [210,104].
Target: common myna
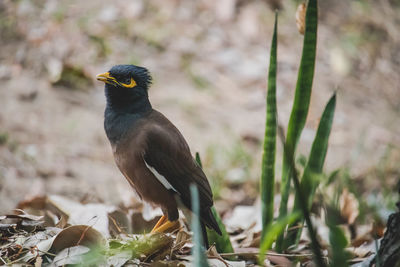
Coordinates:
[150,151]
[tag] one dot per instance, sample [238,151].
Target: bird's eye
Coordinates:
[128,82]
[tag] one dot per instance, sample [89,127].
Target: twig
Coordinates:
[119,229]
[46,252]
[267,253]
[220,259]
[83,235]
[175,247]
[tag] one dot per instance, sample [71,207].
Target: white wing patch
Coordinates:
[160,178]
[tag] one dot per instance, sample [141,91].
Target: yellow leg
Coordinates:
[159,223]
[168,226]
[164,225]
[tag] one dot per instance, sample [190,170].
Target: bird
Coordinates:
[150,151]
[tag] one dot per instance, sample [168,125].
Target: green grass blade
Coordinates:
[268,158]
[315,163]
[316,247]
[222,242]
[338,243]
[198,160]
[200,259]
[271,233]
[301,103]
[337,239]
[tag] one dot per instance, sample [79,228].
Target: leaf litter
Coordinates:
[56,231]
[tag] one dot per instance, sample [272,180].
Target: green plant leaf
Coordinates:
[301,103]
[198,160]
[315,164]
[268,158]
[338,243]
[337,239]
[271,233]
[222,242]
[315,246]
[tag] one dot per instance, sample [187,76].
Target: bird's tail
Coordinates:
[208,219]
[205,237]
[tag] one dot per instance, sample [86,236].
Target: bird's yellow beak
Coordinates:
[105,77]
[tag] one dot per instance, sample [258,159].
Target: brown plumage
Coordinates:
[149,150]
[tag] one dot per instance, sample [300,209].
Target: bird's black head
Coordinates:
[127,77]
[126,87]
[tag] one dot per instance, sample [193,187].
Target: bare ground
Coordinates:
[209,63]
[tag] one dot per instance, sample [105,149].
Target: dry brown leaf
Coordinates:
[95,214]
[364,235]
[76,235]
[38,262]
[24,216]
[362,251]
[252,239]
[256,240]
[37,202]
[348,206]
[53,216]
[301,18]
[182,237]
[62,221]
[279,260]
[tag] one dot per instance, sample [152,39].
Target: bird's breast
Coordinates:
[117,125]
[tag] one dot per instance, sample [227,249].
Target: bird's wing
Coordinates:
[168,156]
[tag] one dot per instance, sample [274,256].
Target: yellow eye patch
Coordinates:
[107,78]
[129,85]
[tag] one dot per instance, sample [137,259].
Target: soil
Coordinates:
[209,62]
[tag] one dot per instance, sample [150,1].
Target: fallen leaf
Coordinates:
[182,237]
[38,262]
[37,202]
[70,255]
[95,215]
[245,217]
[77,235]
[301,18]
[280,260]
[34,240]
[348,206]
[24,216]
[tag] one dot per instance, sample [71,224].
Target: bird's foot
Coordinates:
[164,225]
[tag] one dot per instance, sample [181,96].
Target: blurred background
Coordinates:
[209,63]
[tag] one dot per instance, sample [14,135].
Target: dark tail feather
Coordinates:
[205,238]
[210,221]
